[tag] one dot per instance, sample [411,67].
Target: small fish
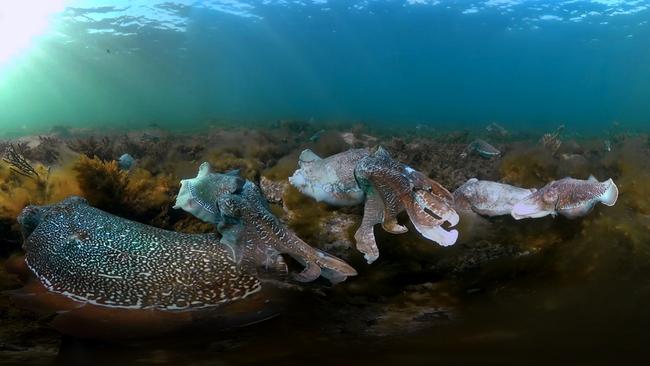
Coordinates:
[608,145]
[315,137]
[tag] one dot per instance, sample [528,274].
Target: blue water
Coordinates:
[528,65]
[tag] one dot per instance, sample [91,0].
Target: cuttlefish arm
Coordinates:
[373,214]
[263,238]
[568,197]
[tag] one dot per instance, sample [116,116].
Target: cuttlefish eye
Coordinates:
[550,196]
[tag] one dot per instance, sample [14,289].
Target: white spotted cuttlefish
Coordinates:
[105,276]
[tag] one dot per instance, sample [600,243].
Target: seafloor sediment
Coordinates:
[506,283]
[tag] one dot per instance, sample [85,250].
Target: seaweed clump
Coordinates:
[529,168]
[102,182]
[92,147]
[139,194]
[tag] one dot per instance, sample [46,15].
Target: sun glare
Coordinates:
[23,20]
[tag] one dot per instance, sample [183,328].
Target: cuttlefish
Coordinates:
[256,238]
[568,197]
[127,277]
[392,187]
[488,198]
[387,187]
[330,180]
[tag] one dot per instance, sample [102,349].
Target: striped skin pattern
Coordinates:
[94,257]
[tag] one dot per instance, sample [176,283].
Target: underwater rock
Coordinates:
[482,148]
[568,197]
[335,233]
[272,190]
[330,180]
[488,198]
[418,307]
[256,237]
[126,162]
[358,140]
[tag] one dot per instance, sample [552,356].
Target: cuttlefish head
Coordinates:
[31,216]
[199,195]
[538,204]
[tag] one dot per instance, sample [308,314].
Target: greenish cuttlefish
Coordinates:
[255,236]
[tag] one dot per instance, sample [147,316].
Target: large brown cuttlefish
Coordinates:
[387,187]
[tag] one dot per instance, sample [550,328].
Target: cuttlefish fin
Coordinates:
[381,152]
[611,193]
[307,156]
[373,213]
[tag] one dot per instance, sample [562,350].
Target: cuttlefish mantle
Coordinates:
[93,257]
